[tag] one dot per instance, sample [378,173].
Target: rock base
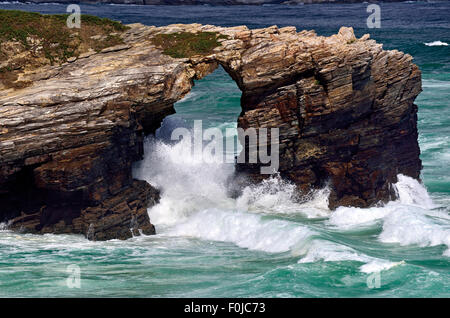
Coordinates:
[119,217]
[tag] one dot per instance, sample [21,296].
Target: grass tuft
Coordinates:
[187,44]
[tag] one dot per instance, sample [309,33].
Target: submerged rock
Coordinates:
[344,107]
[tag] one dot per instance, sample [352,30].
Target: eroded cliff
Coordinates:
[344,106]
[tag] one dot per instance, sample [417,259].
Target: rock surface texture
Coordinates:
[344,107]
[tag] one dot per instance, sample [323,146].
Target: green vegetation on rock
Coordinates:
[29,40]
[187,44]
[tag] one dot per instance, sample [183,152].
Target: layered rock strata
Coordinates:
[344,106]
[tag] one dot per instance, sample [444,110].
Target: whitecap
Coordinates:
[376,266]
[436,43]
[321,250]
[414,227]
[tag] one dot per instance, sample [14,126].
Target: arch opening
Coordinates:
[191,186]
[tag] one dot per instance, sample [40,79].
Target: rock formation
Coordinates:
[344,107]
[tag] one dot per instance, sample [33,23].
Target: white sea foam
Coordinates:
[194,204]
[331,252]
[243,229]
[194,201]
[436,43]
[411,192]
[192,185]
[271,194]
[411,220]
[379,265]
[188,186]
[277,196]
[321,250]
[414,227]
[349,217]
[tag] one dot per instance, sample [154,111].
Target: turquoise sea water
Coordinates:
[264,243]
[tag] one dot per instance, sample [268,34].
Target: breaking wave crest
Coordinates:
[269,216]
[411,220]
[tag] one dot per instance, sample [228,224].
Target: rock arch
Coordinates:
[344,107]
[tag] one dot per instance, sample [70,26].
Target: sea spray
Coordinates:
[275,195]
[187,186]
[195,203]
[411,192]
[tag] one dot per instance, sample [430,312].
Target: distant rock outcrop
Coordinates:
[344,107]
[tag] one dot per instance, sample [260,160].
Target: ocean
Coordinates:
[264,243]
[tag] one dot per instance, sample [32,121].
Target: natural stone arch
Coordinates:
[344,117]
[343,105]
